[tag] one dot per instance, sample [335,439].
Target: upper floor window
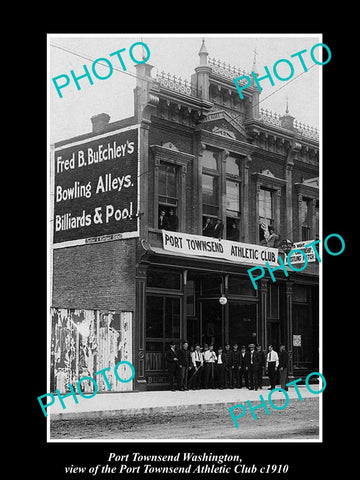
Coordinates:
[233,166]
[168,197]
[168,184]
[210,194]
[210,183]
[305,218]
[233,196]
[317,230]
[210,160]
[266,212]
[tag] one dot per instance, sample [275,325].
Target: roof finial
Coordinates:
[255,53]
[287,105]
[142,48]
[203,53]
[254,60]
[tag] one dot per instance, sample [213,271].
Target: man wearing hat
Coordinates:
[283,366]
[252,366]
[185,363]
[197,361]
[172,365]
[236,366]
[243,370]
[227,355]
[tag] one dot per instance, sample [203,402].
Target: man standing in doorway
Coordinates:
[283,367]
[272,362]
[172,366]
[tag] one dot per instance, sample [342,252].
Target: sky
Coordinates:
[178,55]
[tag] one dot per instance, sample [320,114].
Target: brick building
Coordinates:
[204,154]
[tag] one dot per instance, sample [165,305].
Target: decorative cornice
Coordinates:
[163,153]
[310,191]
[271,182]
[223,143]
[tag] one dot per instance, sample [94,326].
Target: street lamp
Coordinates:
[223,300]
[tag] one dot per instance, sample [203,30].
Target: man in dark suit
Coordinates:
[236,364]
[185,364]
[218,229]
[252,367]
[172,221]
[207,230]
[228,366]
[163,220]
[283,367]
[172,366]
[243,374]
[220,369]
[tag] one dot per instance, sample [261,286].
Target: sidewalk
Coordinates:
[132,403]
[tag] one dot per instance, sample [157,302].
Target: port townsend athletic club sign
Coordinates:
[200,246]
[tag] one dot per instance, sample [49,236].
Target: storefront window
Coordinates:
[172,317]
[162,325]
[300,293]
[274,301]
[211,286]
[241,286]
[190,298]
[164,280]
[154,317]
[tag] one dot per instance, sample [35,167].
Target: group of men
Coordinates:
[168,221]
[197,368]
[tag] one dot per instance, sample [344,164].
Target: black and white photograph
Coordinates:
[186,249]
[176,199]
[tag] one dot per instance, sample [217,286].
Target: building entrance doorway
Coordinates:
[212,322]
[242,322]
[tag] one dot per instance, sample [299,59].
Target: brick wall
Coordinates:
[95,276]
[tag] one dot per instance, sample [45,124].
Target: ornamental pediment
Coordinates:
[222,123]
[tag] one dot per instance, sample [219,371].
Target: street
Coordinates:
[299,420]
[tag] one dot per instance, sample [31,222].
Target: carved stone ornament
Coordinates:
[223,132]
[267,172]
[171,146]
